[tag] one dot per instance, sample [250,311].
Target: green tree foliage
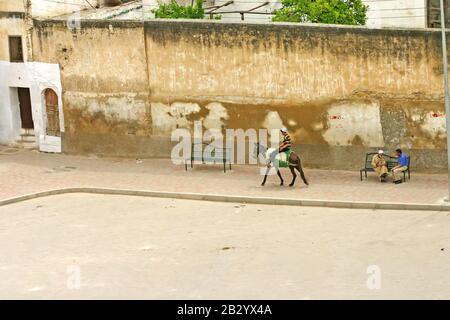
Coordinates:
[351,12]
[173,10]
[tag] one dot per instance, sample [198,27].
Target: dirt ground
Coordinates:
[100,246]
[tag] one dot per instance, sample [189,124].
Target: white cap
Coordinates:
[283,129]
[380,152]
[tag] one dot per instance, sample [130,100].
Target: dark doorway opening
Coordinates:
[15,49]
[25,108]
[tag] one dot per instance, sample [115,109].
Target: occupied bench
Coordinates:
[391,162]
[209,154]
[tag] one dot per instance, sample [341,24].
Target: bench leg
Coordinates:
[360,174]
[230,165]
[185,165]
[224,167]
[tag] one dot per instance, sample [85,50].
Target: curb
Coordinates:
[235,199]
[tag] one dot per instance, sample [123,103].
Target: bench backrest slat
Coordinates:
[212,154]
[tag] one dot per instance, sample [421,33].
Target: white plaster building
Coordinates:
[31,113]
[33,86]
[397,13]
[47,9]
[381,13]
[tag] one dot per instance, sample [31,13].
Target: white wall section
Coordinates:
[37,77]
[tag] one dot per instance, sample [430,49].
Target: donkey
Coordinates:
[293,161]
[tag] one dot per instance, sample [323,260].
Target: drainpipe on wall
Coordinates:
[28,29]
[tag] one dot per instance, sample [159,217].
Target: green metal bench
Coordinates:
[391,162]
[214,155]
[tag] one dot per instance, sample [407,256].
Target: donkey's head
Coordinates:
[259,149]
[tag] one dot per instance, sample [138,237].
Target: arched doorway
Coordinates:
[52,112]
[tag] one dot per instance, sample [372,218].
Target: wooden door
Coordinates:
[52,111]
[25,108]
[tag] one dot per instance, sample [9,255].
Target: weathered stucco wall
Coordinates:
[339,90]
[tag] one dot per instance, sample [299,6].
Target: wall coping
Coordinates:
[124,23]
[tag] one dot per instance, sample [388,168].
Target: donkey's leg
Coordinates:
[281,178]
[265,176]
[294,176]
[302,174]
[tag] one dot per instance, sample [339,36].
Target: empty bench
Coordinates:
[213,155]
[391,162]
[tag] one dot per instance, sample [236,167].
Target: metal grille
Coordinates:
[434,13]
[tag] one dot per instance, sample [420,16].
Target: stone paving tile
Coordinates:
[29,171]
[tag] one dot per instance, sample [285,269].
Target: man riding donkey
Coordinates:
[286,159]
[285,145]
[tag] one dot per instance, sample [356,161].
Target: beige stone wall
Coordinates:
[339,90]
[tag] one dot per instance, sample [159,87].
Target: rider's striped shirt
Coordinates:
[286,144]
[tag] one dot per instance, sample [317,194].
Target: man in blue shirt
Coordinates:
[402,166]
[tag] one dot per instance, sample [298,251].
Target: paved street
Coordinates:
[23,172]
[134,247]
